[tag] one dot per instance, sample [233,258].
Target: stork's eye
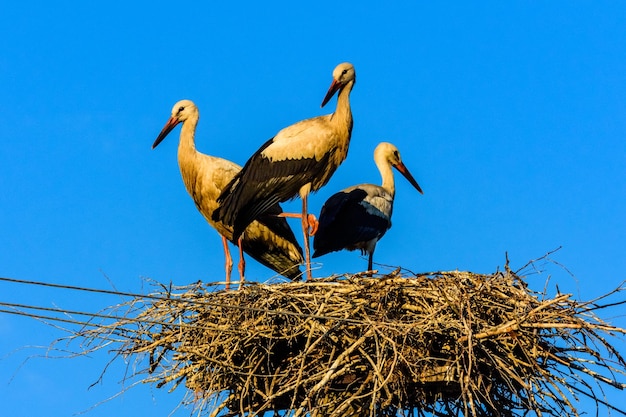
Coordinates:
[181,108]
[344,72]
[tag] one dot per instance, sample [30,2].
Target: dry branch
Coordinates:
[447,343]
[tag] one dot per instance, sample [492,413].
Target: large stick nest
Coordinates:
[448,343]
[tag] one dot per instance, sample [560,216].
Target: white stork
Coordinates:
[271,242]
[359,216]
[301,158]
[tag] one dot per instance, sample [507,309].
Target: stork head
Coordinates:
[342,75]
[387,153]
[182,111]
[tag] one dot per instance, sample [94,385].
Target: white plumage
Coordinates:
[271,241]
[301,158]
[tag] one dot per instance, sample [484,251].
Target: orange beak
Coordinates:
[171,124]
[404,171]
[334,87]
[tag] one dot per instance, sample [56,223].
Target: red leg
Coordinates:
[294,215]
[229,262]
[242,265]
[313,224]
[305,230]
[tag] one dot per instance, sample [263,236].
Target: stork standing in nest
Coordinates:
[359,216]
[271,241]
[301,158]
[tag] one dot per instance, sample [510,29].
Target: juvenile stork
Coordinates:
[301,158]
[359,216]
[271,242]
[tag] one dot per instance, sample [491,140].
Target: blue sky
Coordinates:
[512,117]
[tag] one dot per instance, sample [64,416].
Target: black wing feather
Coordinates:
[344,222]
[274,257]
[261,184]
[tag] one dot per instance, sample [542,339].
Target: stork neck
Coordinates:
[187,154]
[188,132]
[386,174]
[343,113]
[187,144]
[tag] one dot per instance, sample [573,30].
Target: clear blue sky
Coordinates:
[511,117]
